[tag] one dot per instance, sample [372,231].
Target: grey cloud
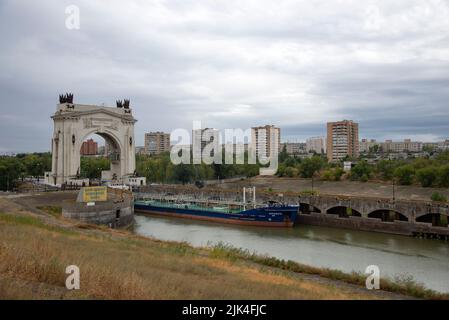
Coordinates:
[296,64]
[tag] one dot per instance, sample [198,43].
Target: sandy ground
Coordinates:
[350,188]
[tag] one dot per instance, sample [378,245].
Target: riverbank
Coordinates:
[36,247]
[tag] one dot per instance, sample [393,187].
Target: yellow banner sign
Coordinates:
[95,194]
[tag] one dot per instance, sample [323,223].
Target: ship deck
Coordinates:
[188,206]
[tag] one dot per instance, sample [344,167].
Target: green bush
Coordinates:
[291,172]
[310,166]
[361,171]
[443,176]
[438,197]
[338,173]
[404,174]
[427,176]
[386,169]
[327,175]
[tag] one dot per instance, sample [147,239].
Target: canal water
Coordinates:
[427,261]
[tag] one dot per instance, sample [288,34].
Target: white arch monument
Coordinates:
[73,123]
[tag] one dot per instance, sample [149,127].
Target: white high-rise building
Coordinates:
[263,139]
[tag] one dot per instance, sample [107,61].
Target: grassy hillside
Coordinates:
[36,248]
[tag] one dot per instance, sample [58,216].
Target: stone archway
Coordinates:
[74,122]
[436,219]
[388,215]
[343,212]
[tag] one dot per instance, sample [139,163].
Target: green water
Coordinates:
[427,261]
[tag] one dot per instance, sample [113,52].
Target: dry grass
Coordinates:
[51,210]
[119,265]
[404,285]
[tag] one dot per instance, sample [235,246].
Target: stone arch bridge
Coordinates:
[404,210]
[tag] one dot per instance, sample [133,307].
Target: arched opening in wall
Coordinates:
[436,219]
[388,215]
[305,208]
[344,212]
[95,157]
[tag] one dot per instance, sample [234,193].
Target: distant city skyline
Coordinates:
[300,138]
[294,64]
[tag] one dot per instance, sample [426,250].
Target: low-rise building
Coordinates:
[293,148]
[443,145]
[402,147]
[316,145]
[140,150]
[367,145]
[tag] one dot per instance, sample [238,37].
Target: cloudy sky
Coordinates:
[230,64]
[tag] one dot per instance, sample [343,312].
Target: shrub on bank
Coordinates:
[438,197]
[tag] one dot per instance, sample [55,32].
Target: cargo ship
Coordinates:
[271,215]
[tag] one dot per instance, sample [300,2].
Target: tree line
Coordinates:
[160,169]
[427,172]
[15,169]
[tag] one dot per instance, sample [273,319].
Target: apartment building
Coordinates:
[89,148]
[404,146]
[264,138]
[366,145]
[342,140]
[157,143]
[316,144]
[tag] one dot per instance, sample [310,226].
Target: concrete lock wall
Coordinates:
[120,214]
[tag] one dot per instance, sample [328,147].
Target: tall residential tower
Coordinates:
[157,143]
[342,140]
[263,138]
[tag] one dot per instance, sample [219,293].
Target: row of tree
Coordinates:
[160,169]
[15,169]
[425,171]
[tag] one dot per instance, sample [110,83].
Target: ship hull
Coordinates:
[265,217]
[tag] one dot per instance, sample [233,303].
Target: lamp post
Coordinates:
[394,191]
